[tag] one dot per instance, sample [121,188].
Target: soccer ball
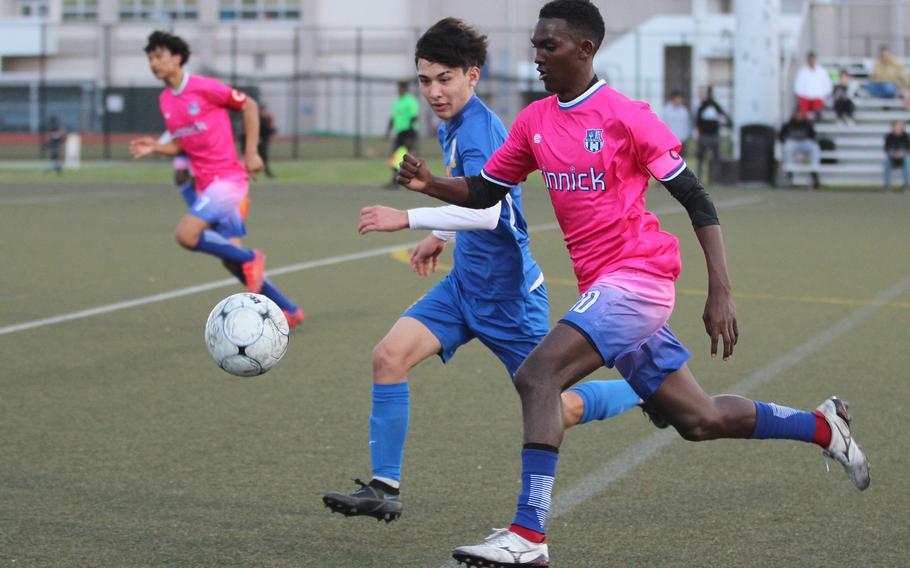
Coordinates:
[247,334]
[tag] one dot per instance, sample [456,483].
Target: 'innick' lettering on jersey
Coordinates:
[590,180]
[190,130]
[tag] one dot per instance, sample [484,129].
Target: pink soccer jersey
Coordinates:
[196,114]
[596,154]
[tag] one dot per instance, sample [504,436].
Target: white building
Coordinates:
[652,46]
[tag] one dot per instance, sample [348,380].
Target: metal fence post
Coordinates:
[105,117]
[234,56]
[42,92]
[358,50]
[295,97]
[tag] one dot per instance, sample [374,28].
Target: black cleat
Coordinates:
[372,500]
[655,417]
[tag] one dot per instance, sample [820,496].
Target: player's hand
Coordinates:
[720,322]
[252,161]
[425,257]
[413,173]
[142,147]
[383,219]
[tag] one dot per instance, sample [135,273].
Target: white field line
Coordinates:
[631,457]
[164,296]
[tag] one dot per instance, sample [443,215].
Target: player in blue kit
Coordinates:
[495,292]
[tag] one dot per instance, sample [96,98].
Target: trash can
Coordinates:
[756,153]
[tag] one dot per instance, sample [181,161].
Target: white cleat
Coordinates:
[503,549]
[843,447]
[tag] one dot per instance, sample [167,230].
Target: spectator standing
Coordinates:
[56,137]
[812,87]
[677,116]
[799,138]
[843,99]
[266,131]
[708,122]
[403,122]
[888,78]
[897,144]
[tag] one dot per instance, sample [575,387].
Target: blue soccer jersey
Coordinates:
[496,263]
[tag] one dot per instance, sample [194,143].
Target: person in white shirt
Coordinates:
[676,115]
[812,86]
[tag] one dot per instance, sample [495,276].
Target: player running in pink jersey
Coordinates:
[198,125]
[597,150]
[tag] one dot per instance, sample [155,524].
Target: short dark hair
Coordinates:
[453,43]
[175,44]
[581,15]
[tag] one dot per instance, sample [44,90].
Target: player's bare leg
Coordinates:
[194,233]
[563,358]
[698,416]
[405,345]
[188,231]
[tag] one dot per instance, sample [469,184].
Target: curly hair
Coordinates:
[175,44]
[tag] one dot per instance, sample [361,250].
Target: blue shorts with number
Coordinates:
[631,333]
[510,328]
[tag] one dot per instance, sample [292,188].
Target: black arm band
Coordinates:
[483,193]
[692,195]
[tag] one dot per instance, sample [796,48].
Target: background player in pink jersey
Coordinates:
[198,125]
[597,150]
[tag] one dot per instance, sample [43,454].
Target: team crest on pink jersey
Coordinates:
[193,108]
[594,140]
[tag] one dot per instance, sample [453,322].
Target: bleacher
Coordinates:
[859,148]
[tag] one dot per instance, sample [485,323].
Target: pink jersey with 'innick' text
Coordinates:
[596,154]
[197,115]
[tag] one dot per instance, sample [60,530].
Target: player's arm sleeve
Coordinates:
[224,96]
[511,163]
[454,218]
[444,235]
[686,188]
[658,150]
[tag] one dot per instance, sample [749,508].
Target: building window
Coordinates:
[131,10]
[80,10]
[33,8]
[259,9]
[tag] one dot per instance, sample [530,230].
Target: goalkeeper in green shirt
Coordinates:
[405,112]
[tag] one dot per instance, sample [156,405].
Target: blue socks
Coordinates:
[604,399]
[271,292]
[212,243]
[782,422]
[389,428]
[538,471]
[188,192]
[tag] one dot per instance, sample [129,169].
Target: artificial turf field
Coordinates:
[122,444]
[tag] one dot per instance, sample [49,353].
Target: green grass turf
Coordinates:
[123,444]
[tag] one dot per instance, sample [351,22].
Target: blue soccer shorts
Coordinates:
[223,206]
[630,332]
[509,328]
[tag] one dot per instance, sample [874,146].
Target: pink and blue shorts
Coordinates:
[624,316]
[223,205]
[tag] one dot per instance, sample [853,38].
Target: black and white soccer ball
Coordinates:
[247,334]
